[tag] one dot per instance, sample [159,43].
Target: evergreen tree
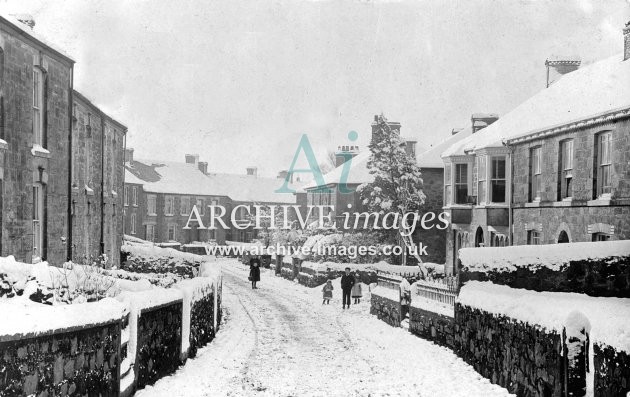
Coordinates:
[397,185]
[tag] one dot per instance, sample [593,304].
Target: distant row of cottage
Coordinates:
[555,169]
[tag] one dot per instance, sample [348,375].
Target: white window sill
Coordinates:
[88,191]
[39,151]
[533,204]
[563,203]
[152,214]
[458,206]
[492,205]
[3,145]
[600,201]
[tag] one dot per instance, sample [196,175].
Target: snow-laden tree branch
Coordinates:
[397,185]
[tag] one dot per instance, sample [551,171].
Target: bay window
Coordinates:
[497,181]
[447,184]
[461,183]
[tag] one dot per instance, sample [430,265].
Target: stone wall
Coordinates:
[73,362]
[432,326]
[201,323]
[574,220]
[434,239]
[612,371]
[159,343]
[601,277]
[386,309]
[525,359]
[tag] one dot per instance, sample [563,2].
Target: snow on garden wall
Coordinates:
[144,258]
[552,256]
[608,316]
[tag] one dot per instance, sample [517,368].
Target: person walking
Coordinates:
[357,292]
[405,298]
[327,291]
[254,271]
[347,282]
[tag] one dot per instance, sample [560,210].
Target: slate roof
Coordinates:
[590,92]
[186,179]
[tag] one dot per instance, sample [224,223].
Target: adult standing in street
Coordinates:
[254,271]
[405,298]
[347,282]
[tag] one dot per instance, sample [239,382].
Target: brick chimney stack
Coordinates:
[128,155]
[482,120]
[253,171]
[203,166]
[392,124]
[558,66]
[626,41]
[284,175]
[410,148]
[192,159]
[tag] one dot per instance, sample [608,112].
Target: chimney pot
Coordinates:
[128,155]
[482,120]
[253,171]
[558,66]
[192,159]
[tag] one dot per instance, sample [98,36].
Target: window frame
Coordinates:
[535,174]
[447,184]
[134,196]
[597,237]
[199,202]
[149,226]
[151,204]
[534,237]
[566,164]
[132,221]
[494,179]
[126,195]
[38,106]
[169,205]
[171,227]
[482,179]
[457,185]
[603,166]
[38,220]
[184,210]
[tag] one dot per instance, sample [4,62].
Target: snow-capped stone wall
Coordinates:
[592,268]
[60,361]
[431,325]
[148,258]
[612,371]
[385,304]
[521,357]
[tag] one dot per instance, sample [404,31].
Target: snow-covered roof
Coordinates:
[591,91]
[33,34]
[187,179]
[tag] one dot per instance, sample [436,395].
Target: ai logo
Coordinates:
[305,146]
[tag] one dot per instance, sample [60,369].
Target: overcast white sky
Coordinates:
[239,81]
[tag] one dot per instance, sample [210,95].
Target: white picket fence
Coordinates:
[442,290]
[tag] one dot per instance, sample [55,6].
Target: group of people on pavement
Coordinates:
[350,287]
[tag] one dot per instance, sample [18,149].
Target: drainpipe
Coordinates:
[102,181]
[510,209]
[69,241]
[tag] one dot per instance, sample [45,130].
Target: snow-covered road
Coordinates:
[280,341]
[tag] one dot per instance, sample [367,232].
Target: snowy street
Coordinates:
[280,341]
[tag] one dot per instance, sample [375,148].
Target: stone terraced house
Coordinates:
[159,197]
[51,171]
[555,169]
